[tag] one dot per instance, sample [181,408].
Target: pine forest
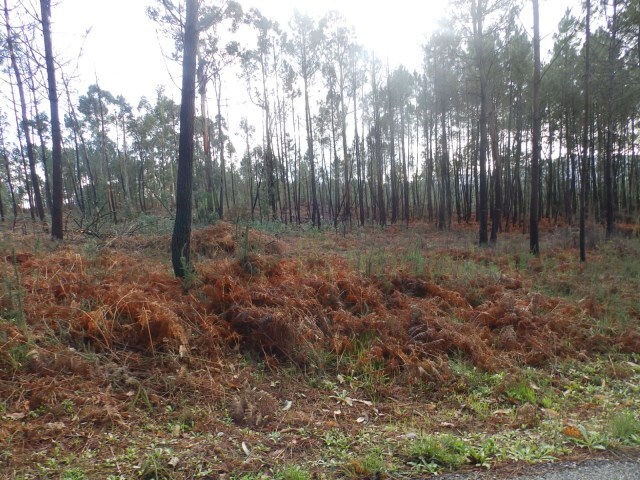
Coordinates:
[298,258]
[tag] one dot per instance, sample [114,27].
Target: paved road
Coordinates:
[584,470]
[593,470]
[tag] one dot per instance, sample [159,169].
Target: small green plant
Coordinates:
[141,397]
[182,426]
[17,356]
[523,393]
[130,454]
[372,262]
[370,466]
[243,255]
[483,454]
[13,291]
[591,439]
[74,474]
[337,442]
[90,249]
[524,451]
[548,401]
[478,381]
[68,406]
[625,427]
[155,466]
[292,472]
[446,451]
[518,391]
[415,260]
[190,274]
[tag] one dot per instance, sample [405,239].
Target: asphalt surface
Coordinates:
[594,470]
[603,469]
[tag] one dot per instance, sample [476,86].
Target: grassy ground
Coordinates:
[295,354]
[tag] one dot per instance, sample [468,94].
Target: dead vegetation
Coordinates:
[289,308]
[108,330]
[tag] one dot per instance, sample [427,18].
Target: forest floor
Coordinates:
[295,354]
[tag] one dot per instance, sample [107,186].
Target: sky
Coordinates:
[125,53]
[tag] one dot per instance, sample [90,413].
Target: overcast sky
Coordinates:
[122,47]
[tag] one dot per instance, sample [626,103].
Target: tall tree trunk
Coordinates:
[125,162]
[404,168]
[427,127]
[27,184]
[534,245]
[382,213]
[483,209]
[359,162]
[78,133]
[608,167]
[444,167]
[550,204]
[345,153]
[223,182]
[40,128]
[1,205]
[111,198]
[35,182]
[181,240]
[457,171]
[315,212]
[56,136]
[336,170]
[206,141]
[584,171]
[392,159]
[517,188]
[496,219]
[5,157]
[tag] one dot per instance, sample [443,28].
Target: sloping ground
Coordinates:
[103,336]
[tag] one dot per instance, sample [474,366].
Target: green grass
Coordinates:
[625,428]
[74,474]
[292,472]
[372,465]
[434,451]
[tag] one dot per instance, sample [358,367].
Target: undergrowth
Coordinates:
[301,354]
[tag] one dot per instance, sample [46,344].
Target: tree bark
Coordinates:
[496,220]
[181,240]
[392,158]
[223,183]
[534,246]
[25,120]
[608,177]
[56,136]
[378,149]
[3,152]
[483,209]
[584,171]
